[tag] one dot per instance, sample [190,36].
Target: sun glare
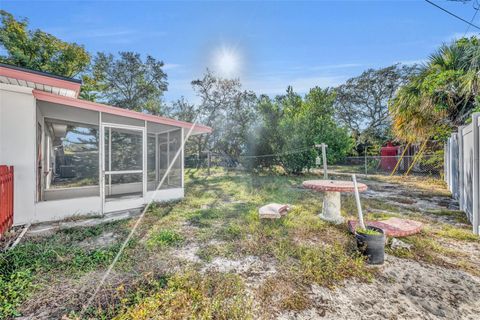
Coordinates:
[227,62]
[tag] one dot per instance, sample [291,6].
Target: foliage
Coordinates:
[434,161]
[223,106]
[164,238]
[19,267]
[290,126]
[362,103]
[14,287]
[442,96]
[195,296]
[368,231]
[165,283]
[38,50]
[127,81]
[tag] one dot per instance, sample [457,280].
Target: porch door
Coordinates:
[123,163]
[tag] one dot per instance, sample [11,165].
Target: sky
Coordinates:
[268,45]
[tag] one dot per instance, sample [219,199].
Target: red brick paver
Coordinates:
[393,227]
[333,185]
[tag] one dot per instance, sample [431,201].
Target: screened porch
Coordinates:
[112,160]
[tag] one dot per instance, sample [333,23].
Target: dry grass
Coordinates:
[166,271]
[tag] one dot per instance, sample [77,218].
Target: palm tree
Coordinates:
[442,95]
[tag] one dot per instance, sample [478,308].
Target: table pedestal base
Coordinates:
[331,208]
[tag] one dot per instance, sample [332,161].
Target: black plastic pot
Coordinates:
[372,246]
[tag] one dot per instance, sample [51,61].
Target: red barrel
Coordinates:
[389,157]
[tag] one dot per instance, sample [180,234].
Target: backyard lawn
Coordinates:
[210,257]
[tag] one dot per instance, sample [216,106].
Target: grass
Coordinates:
[59,253]
[454,215]
[456,233]
[219,217]
[164,238]
[194,296]
[368,231]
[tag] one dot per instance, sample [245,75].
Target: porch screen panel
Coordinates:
[151,150]
[123,185]
[126,150]
[71,154]
[169,144]
[175,143]
[123,153]
[163,157]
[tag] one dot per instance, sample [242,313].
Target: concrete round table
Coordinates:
[331,201]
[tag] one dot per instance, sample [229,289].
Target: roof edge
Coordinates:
[99,107]
[41,73]
[30,76]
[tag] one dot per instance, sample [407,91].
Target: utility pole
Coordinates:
[324,158]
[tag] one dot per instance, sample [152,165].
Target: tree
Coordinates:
[127,82]
[38,50]
[362,102]
[442,96]
[182,110]
[227,109]
[289,128]
[265,137]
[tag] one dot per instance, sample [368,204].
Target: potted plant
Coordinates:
[370,240]
[371,243]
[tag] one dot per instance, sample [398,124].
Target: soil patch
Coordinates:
[405,289]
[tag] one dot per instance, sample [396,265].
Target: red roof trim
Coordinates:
[38,78]
[88,105]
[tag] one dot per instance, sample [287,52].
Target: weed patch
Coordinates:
[194,296]
[14,288]
[21,266]
[164,238]
[457,233]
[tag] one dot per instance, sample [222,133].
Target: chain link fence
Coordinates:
[427,165]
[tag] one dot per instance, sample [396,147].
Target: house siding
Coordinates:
[17,141]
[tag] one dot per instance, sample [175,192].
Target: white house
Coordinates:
[76,157]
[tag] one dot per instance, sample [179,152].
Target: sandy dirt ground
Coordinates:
[404,288]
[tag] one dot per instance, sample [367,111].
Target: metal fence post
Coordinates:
[366,167]
[324,155]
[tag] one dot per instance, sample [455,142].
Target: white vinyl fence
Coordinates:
[462,169]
